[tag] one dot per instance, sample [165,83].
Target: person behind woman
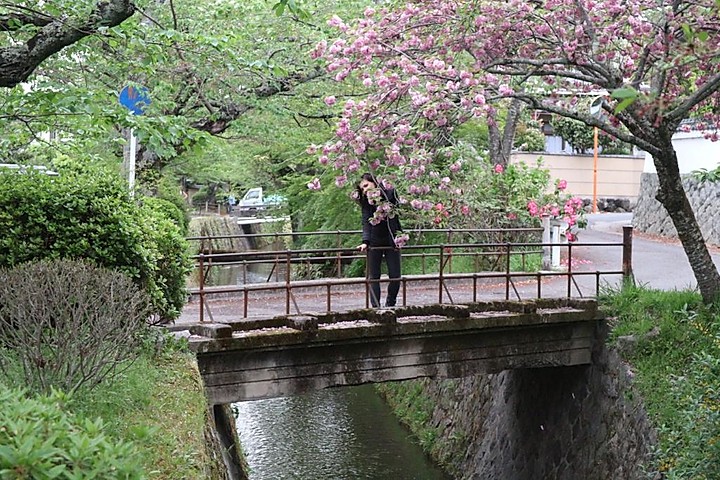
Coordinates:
[378,238]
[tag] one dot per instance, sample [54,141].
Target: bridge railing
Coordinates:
[473,281]
[343,255]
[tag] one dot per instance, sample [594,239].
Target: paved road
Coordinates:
[660,264]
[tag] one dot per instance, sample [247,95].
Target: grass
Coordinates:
[412,407]
[413,263]
[677,367]
[159,405]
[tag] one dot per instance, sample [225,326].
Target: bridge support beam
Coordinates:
[282,360]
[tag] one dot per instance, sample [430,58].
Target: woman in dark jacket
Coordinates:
[378,238]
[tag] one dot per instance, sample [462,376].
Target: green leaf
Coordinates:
[687,31]
[625,92]
[279,8]
[624,104]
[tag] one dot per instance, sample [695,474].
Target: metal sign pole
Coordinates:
[135,99]
[131,162]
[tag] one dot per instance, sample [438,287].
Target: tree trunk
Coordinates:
[671,195]
[501,145]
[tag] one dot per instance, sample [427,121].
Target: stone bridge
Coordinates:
[292,354]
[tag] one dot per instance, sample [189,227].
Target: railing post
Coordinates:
[440,278]
[246,300]
[507,271]
[201,281]
[546,259]
[339,256]
[287,282]
[367,277]
[627,254]
[569,271]
[277,268]
[449,241]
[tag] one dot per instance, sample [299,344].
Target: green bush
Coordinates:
[169,256]
[39,441]
[170,210]
[529,137]
[169,191]
[68,324]
[200,198]
[90,214]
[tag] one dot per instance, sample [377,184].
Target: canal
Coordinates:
[334,434]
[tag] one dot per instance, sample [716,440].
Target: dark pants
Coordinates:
[392,258]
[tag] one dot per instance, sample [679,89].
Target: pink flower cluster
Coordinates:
[401,239]
[570,212]
[314,184]
[413,61]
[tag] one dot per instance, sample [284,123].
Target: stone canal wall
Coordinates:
[560,423]
[651,217]
[232,233]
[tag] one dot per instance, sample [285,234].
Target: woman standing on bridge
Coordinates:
[380,225]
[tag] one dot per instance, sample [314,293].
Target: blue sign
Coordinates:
[135,99]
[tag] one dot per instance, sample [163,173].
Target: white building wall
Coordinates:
[694,152]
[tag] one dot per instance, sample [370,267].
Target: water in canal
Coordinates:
[344,433]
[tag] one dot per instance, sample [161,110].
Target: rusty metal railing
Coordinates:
[444,277]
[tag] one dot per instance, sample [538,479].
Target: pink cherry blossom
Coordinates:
[314,184]
[401,240]
[428,66]
[533,208]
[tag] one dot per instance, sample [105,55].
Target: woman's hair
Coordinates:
[365,176]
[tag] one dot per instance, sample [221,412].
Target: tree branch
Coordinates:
[18,62]
[541,69]
[681,111]
[591,120]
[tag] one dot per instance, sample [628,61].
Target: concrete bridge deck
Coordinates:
[292,354]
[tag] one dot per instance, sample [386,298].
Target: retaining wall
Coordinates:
[651,217]
[550,423]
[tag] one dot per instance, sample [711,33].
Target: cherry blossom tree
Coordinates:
[434,64]
[38,31]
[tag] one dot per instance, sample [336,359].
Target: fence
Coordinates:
[441,265]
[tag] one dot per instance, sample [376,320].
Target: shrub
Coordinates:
[71,216]
[169,254]
[529,137]
[90,214]
[170,210]
[200,198]
[581,137]
[68,324]
[39,441]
